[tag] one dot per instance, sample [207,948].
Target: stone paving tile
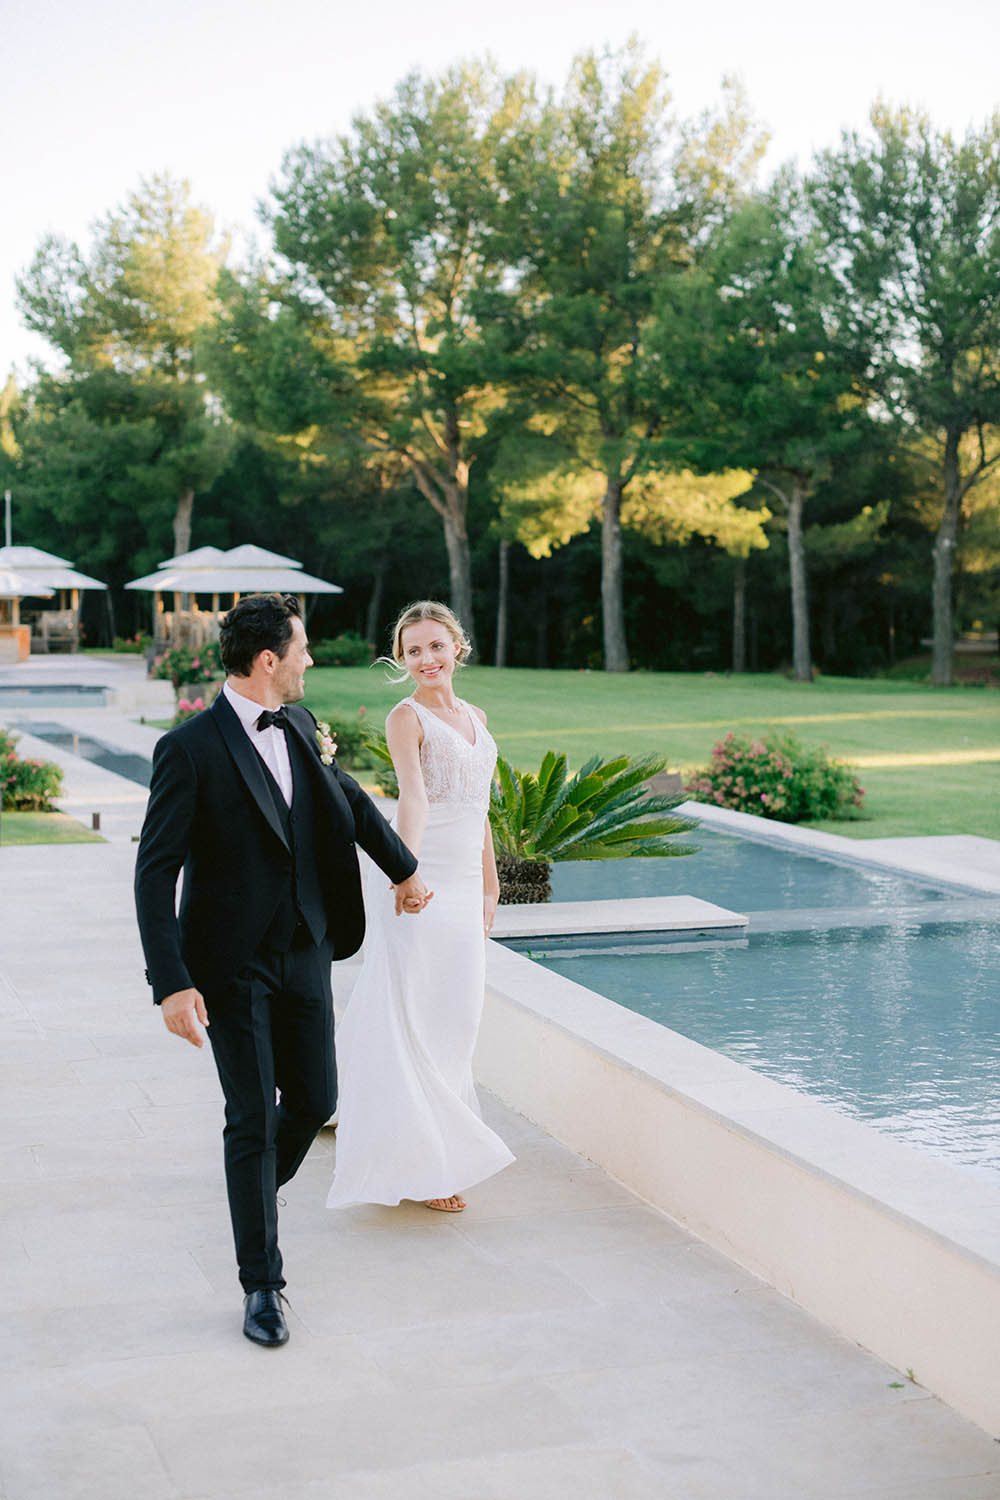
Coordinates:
[335,1436]
[86,1462]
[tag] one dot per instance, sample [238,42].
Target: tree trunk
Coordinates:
[375,604]
[740,615]
[612,579]
[459,568]
[182,522]
[502,591]
[182,533]
[944,563]
[801,657]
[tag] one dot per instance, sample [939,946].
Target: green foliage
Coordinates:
[27,785]
[778,777]
[115,447]
[346,650]
[188,665]
[352,737]
[385,771]
[135,645]
[602,811]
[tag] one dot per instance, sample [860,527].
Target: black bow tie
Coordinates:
[277,717]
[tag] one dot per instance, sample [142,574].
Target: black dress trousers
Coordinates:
[271,1032]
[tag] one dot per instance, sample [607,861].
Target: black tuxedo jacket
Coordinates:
[211,812]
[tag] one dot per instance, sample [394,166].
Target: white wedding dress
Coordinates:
[409,1121]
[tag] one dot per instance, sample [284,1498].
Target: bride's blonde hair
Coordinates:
[429,609]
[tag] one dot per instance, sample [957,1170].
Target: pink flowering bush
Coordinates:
[777,777]
[185,666]
[27,785]
[186,709]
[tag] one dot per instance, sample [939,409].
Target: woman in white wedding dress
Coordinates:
[409,1122]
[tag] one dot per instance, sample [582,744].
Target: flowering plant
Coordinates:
[777,777]
[327,744]
[28,785]
[185,664]
[187,708]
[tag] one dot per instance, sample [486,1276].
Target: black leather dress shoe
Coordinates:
[263,1320]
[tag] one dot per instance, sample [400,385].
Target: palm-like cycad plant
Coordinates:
[603,811]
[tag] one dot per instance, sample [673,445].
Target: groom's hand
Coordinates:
[411,896]
[182,1011]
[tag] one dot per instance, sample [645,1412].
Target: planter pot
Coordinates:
[523,881]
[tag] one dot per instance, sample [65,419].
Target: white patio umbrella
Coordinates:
[242,570]
[17,586]
[45,572]
[20,586]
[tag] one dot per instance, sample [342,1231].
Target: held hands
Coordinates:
[181,1012]
[411,896]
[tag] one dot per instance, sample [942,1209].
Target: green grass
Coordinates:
[938,750]
[44,828]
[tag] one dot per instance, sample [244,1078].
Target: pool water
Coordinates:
[52,695]
[743,875]
[896,1023]
[136,768]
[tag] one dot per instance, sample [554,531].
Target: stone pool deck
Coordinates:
[560,1340]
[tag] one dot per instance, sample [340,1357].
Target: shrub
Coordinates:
[353,741]
[347,650]
[27,785]
[186,709]
[777,777]
[135,645]
[186,665]
[385,771]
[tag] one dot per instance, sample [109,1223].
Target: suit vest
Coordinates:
[302,900]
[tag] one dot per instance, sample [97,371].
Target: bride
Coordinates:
[409,1122]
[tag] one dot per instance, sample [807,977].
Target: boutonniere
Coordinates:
[327,744]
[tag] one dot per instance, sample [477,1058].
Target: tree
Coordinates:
[760,375]
[391,236]
[911,219]
[612,200]
[127,317]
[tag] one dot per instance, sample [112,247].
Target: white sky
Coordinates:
[95,96]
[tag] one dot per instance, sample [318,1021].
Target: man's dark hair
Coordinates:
[260,622]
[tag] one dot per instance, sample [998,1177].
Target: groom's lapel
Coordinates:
[248,762]
[300,724]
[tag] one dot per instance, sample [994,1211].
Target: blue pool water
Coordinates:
[742,875]
[896,1023]
[51,695]
[123,762]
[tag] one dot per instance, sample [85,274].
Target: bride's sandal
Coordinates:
[452,1205]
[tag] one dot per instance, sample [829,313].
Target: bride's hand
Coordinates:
[411,896]
[490,900]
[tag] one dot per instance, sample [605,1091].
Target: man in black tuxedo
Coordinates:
[265,833]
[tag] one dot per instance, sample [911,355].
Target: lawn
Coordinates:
[929,759]
[44,828]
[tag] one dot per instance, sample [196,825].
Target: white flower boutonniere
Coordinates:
[327,744]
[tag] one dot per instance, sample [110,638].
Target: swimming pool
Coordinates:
[137,768]
[52,695]
[894,1023]
[744,875]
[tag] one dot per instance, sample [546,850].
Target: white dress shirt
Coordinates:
[269,743]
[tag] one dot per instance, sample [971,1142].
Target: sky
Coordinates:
[95,97]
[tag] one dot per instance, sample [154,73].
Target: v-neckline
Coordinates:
[469,714]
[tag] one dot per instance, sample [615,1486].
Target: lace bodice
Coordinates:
[455,771]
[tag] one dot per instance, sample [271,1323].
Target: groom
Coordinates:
[265,834]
